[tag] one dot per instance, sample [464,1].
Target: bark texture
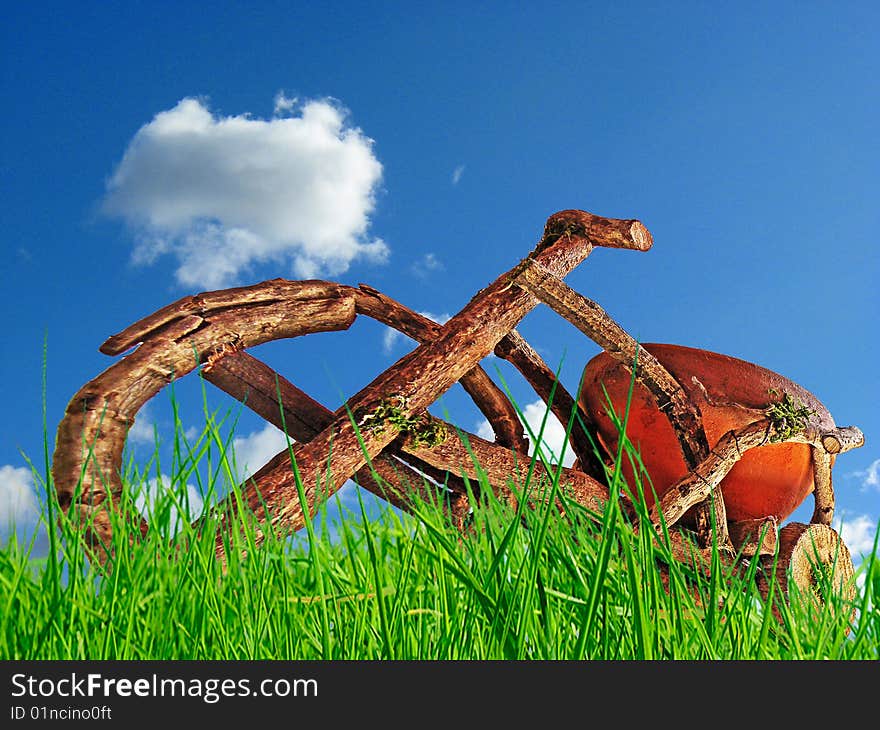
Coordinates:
[813,567]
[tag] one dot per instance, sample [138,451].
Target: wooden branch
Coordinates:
[209,304]
[514,348]
[754,537]
[672,400]
[255,384]
[710,518]
[834,440]
[699,483]
[469,455]
[487,396]
[594,321]
[824,451]
[420,377]
[842,439]
[823,491]
[252,382]
[598,231]
[91,435]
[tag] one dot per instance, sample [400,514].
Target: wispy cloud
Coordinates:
[388,339]
[224,193]
[184,505]
[858,534]
[553,437]
[391,336]
[142,430]
[19,508]
[869,477]
[426,265]
[254,450]
[284,104]
[457,173]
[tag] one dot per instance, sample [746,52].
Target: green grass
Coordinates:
[525,584]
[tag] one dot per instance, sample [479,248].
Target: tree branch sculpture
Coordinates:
[383,437]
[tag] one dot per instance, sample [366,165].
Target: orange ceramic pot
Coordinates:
[768,480]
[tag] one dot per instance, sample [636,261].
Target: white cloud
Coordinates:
[457,173]
[284,104]
[858,534]
[18,501]
[255,449]
[222,193]
[391,335]
[871,476]
[485,430]
[389,338]
[426,265]
[142,430]
[553,438]
[149,494]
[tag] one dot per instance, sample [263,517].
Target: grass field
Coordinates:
[527,584]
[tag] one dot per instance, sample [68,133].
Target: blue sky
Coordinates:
[154,150]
